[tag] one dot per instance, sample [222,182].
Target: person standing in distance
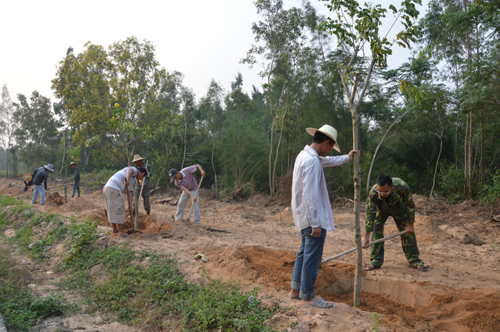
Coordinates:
[312,212]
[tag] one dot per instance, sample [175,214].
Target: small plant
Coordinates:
[376,324]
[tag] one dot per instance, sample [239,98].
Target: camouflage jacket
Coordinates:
[399,204]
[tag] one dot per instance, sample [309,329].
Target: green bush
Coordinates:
[452,182]
[491,191]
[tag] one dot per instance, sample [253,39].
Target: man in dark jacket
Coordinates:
[76,179]
[41,176]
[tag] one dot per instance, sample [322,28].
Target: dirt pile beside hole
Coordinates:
[17,192]
[77,205]
[426,206]
[426,229]
[274,268]
[285,189]
[286,217]
[97,193]
[56,200]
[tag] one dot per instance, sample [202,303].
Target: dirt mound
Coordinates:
[76,205]
[54,199]
[97,193]
[17,192]
[145,221]
[242,211]
[273,268]
[426,206]
[286,217]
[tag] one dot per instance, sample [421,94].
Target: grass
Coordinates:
[20,308]
[135,288]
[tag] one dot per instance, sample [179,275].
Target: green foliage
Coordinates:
[491,191]
[453,182]
[20,308]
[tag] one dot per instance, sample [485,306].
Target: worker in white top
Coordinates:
[121,183]
[312,212]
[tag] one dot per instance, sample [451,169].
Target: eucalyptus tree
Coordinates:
[7,125]
[358,27]
[279,37]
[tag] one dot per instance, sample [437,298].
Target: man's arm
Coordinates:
[189,194]
[201,170]
[310,197]
[45,179]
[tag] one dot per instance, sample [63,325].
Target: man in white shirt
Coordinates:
[312,212]
[113,191]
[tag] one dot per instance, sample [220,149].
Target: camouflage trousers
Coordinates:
[145,196]
[408,241]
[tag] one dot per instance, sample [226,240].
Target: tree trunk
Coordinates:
[64,154]
[271,184]
[278,147]
[215,172]
[469,158]
[357,203]
[185,143]
[439,155]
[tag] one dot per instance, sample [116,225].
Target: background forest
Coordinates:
[433,122]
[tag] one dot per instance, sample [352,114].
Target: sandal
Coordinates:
[370,267]
[321,304]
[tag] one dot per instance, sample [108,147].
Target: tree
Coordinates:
[355,27]
[280,34]
[7,125]
[37,132]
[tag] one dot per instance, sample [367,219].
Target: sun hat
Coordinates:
[50,167]
[172,173]
[328,131]
[27,177]
[137,158]
[73,163]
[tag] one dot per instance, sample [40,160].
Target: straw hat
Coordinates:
[27,177]
[73,163]
[328,131]
[137,158]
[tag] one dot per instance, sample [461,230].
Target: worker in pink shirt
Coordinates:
[185,180]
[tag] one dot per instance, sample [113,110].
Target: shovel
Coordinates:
[50,193]
[137,201]
[197,194]
[370,243]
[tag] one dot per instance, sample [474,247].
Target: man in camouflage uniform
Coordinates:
[138,160]
[391,197]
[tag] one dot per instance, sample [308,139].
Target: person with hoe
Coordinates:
[391,197]
[186,181]
[76,178]
[121,183]
[312,212]
[138,160]
[41,176]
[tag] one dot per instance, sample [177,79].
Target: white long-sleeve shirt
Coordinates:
[310,203]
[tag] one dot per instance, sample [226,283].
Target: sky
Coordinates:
[202,39]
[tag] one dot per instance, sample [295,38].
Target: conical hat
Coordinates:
[27,177]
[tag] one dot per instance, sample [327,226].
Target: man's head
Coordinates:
[325,139]
[141,173]
[384,185]
[138,160]
[73,164]
[175,175]
[49,167]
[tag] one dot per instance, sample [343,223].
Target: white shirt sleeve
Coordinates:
[311,183]
[334,161]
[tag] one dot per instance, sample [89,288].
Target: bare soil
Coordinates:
[254,243]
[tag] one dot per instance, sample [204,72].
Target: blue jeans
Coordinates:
[38,189]
[76,185]
[307,263]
